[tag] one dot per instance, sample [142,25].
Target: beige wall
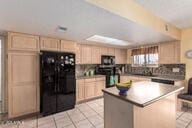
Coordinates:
[186,44]
[125,8]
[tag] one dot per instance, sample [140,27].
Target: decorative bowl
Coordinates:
[123,90]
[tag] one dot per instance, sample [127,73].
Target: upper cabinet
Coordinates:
[169,52]
[78,54]
[117,56]
[86,54]
[68,46]
[96,55]
[49,44]
[111,51]
[25,42]
[120,56]
[123,56]
[104,51]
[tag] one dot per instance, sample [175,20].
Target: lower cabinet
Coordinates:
[23,83]
[89,88]
[98,88]
[80,90]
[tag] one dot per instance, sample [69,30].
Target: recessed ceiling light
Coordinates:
[107,40]
[61,29]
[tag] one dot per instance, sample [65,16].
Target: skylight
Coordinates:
[107,40]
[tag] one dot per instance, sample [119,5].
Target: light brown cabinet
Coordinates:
[96,55]
[78,54]
[86,54]
[169,52]
[80,89]
[49,44]
[23,83]
[118,56]
[111,51]
[123,56]
[99,85]
[68,46]
[104,51]
[18,41]
[89,88]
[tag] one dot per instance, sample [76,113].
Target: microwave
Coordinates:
[108,60]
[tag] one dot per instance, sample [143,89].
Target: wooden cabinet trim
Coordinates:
[51,44]
[23,45]
[68,46]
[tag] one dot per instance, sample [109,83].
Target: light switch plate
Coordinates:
[176,69]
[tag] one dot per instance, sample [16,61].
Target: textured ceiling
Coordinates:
[177,12]
[41,17]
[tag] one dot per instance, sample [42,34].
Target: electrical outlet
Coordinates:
[176,69]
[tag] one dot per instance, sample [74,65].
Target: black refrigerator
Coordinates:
[57,82]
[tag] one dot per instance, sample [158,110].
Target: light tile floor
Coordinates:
[85,115]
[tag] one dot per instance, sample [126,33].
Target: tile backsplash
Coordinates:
[163,70]
[82,68]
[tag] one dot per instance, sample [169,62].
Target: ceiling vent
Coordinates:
[61,29]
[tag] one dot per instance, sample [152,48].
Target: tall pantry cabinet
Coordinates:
[22,74]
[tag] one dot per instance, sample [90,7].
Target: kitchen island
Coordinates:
[147,105]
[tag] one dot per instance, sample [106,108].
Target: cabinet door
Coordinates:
[80,90]
[23,83]
[89,90]
[49,44]
[98,88]
[118,56]
[104,50]
[17,41]
[68,46]
[86,54]
[123,56]
[169,52]
[78,54]
[111,51]
[96,55]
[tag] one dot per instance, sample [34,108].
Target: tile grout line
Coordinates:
[179,116]
[188,124]
[71,120]
[94,110]
[87,117]
[55,121]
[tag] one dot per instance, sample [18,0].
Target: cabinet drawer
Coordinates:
[90,80]
[100,79]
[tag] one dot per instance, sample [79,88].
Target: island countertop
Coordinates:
[145,93]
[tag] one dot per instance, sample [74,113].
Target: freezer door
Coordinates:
[48,82]
[66,82]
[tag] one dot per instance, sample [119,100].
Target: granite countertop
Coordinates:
[87,77]
[155,77]
[144,93]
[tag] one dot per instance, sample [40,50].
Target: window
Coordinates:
[145,56]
